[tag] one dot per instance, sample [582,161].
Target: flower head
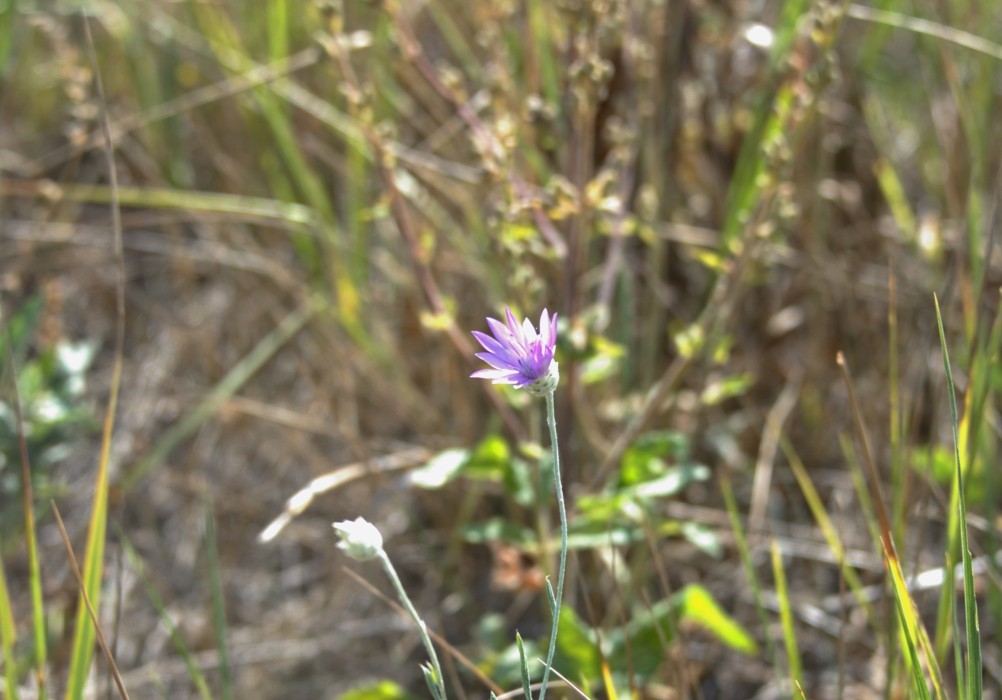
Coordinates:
[519,355]
[360,539]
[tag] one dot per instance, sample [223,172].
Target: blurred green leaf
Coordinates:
[577,655]
[703,538]
[492,460]
[499,530]
[640,644]
[723,388]
[643,460]
[380,690]
[669,484]
[603,361]
[51,382]
[603,537]
[489,456]
[698,605]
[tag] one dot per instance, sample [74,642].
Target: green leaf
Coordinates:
[643,460]
[523,666]
[577,655]
[721,389]
[699,606]
[488,459]
[640,645]
[432,682]
[702,537]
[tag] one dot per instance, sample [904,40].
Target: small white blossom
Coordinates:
[360,539]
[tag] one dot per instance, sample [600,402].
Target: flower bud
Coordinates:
[360,539]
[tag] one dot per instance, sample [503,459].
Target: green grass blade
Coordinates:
[83,641]
[542,44]
[162,198]
[824,522]
[7,637]
[230,52]
[786,617]
[908,628]
[973,684]
[218,601]
[93,565]
[746,562]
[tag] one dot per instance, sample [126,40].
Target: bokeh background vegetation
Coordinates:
[318,201]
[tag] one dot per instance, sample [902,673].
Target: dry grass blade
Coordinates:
[113,667]
[924,26]
[297,503]
[768,447]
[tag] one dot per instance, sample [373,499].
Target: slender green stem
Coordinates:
[551,419]
[422,628]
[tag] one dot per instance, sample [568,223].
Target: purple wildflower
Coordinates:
[519,355]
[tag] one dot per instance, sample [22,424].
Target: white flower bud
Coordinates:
[360,539]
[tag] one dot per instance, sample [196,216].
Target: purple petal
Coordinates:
[497,362]
[493,346]
[544,329]
[498,375]
[505,338]
[514,327]
[528,332]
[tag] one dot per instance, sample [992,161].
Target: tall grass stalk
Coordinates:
[972,683]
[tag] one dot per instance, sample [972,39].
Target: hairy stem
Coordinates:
[558,595]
